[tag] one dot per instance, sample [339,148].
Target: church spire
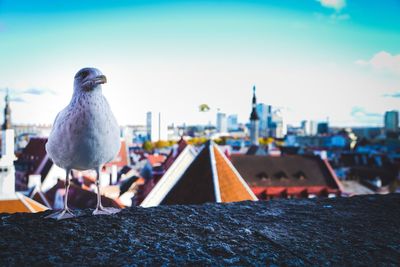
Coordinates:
[254,115]
[7,113]
[254,120]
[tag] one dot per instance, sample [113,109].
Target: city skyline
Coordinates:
[315,59]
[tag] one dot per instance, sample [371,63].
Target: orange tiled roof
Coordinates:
[231,188]
[21,204]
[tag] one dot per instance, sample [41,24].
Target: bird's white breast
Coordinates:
[85,134]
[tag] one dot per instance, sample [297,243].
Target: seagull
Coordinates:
[85,135]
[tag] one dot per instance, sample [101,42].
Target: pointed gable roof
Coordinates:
[174,154]
[196,185]
[209,177]
[170,177]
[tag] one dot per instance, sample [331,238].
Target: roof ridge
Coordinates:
[214,171]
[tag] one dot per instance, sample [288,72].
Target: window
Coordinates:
[280,175]
[262,176]
[300,175]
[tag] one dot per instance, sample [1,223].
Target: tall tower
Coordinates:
[7,114]
[148,125]
[254,120]
[7,170]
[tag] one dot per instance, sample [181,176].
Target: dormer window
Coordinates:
[300,175]
[280,175]
[262,176]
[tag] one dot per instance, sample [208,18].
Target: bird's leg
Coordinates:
[100,210]
[66,212]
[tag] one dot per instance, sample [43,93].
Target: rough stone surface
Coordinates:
[358,231]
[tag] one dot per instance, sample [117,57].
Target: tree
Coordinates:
[204,108]
[161,144]
[148,146]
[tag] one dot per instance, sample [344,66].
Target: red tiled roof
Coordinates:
[79,197]
[155,159]
[285,171]
[302,191]
[121,159]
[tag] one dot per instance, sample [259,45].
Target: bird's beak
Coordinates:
[100,79]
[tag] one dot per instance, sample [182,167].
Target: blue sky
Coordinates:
[314,59]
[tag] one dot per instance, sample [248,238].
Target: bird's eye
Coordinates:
[84,74]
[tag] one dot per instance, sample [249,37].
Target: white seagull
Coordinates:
[85,135]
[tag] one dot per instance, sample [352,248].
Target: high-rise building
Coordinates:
[148,125]
[254,120]
[156,127]
[391,120]
[265,115]
[279,129]
[221,123]
[233,123]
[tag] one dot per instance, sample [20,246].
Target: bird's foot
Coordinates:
[61,215]
[105,211]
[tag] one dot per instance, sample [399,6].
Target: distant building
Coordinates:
[10,200]
[392,120]
[23,132]
[7,170]
[222,126]
[279,128]
[34,162]
[156,126]
[323,128]
[313,128]
[265,115]
[254,120]
[376,171]
[305,127]
[149,124]
[367,132]
[232,122]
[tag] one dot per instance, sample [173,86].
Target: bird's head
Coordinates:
[88,79]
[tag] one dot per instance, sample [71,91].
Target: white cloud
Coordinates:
[337,17]
[382,61]
[335,4]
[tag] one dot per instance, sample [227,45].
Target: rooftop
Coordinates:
[359,231]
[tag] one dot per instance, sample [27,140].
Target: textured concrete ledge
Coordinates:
[345,231]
